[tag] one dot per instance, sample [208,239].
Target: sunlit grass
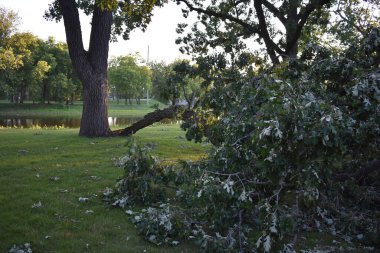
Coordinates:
[57,167]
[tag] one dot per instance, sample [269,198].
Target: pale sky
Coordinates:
[160,35]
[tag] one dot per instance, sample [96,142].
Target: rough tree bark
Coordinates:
[91,65]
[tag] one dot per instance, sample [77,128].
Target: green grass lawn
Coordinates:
[59,110]
[56,168]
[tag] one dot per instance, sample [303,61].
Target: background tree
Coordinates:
[8,24]
[38,75]
[62,83]
[145,81]
[160,75]
[108,16]
[17,80]
[188,83]
[8,59]
[128,78]
[42,70]
[176,81]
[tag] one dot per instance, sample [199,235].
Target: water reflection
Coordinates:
[29,122]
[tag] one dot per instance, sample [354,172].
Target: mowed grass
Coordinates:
[56,168]
[60,110]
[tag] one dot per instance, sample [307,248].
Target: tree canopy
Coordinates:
[30,67]
[277,29]
[128,78]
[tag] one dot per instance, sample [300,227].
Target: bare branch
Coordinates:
[275,11]
[272,47]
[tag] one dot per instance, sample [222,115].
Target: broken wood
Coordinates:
[149,119]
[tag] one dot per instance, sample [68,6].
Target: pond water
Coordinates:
[28,122]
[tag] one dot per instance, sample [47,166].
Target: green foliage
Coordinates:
[179,80]
[8,23]
[354,20]
[8,60]
[159,225]
[127,78]
[295,144]
[16,80]
[139,181]
[61,82]
[160,75]
[37,70]
[295,135]
[127,15]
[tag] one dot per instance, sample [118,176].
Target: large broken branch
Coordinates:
[149,119]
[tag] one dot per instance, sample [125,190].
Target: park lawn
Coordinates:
[60,110]
[56,168]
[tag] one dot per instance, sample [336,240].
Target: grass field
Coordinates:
[56,168]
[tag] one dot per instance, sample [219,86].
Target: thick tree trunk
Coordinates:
[94,120]
[90,66]
[291,26]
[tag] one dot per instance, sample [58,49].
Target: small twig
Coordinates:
[277,194]
[222,174]
[243,138]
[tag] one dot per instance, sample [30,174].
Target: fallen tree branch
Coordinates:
[168,113]
[149,119]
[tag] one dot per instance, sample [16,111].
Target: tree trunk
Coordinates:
[94,120]
[291,26]
[22,95]
[90,66]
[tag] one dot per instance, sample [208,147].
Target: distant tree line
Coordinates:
[32,68]
[128,79]
[168,83]
[41,71]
